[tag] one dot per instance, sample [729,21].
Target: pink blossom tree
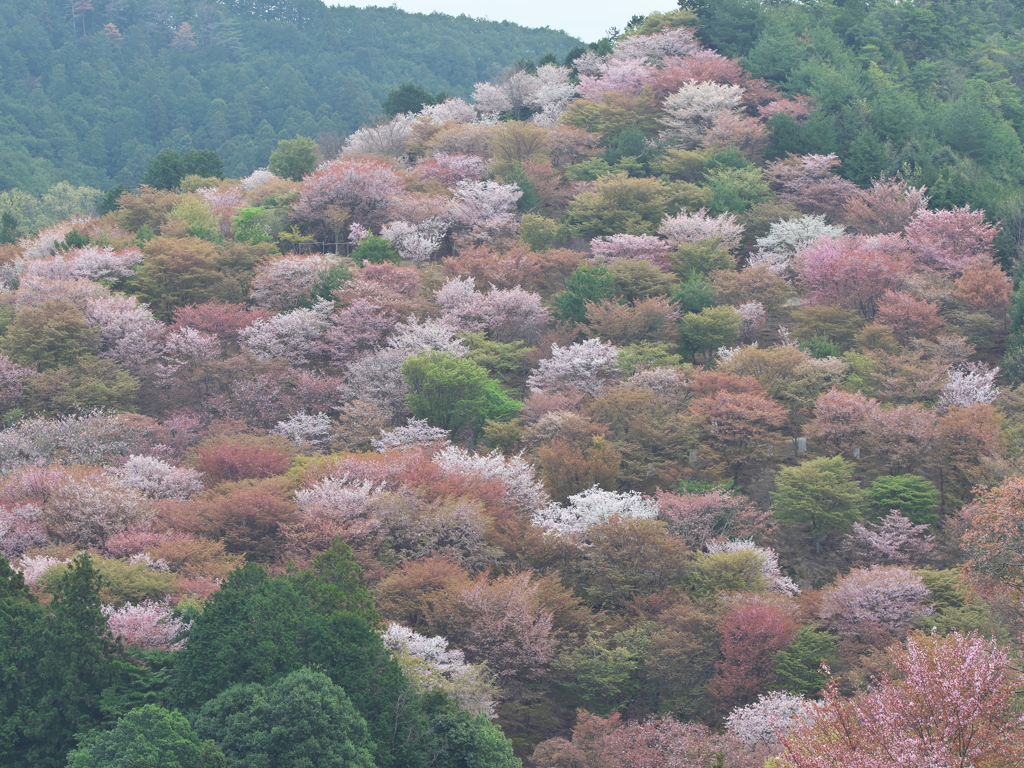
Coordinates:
[364,188]
[949,703]
[700,517]
[642,247]
[148,625]
[893,541]
[883,599]
[282,282]
[484,210]
[809,183]
[950,240]
[588,366]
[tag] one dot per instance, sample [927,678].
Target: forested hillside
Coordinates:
[605,418]
[932,91]
[91,90]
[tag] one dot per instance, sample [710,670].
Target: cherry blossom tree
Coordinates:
[282,282]
[691,111]
[588,366]
[365,188]
[311,431]
[643,247]
[887,207]
[949,703]
[504,314]
[879,598]
[291,336]
[451,168]
[950,240]
[414,432]
[700,517]
[785,239]
[969,384]
[851,271]
[592,507]
[388,139]
[13,378]
[760,726]
[693,227]
[432,665]
[893,541]
[148,625]
[415,242]
[156,479]
[484,210]
[130,333]
[522,489]
[809,183]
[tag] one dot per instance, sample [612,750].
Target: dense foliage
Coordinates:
[586,423]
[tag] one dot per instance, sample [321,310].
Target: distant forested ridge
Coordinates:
[929,91]
[91,90]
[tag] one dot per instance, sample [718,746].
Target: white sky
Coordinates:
[585,19]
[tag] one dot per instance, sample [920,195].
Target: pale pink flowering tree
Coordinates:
[668,42]
[484,210]
[592,507]
[888,206]
[130,333]
[20,529]
[414,432]
[500,622]
[258,178]
[42,245]
[852,271]
[13,378]
[950,240]
[785,239]
[700,517]
[624,74]
[753,321]
[357,330]
[948,703]
[506,315]
[691,111]
[187,345]
[969,384]
[33,568]
[156,479]
[283,281]
[809,183]
[309,431]
[798,108]
[695,226]
[334,507]
[551,95]
[747,135]
[589,366]
[886,598]
[522,488]
[449,111]
[292,336]
[386,139]
[364,187]
[91,263]
[641,247]
[451,168]
[893,541]
[415,242]
[148,625]
[761,726]
[224,204]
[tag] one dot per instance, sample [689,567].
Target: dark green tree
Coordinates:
[303,719]
[294,158]
[202,162]
[149,736]
[587,284]
[406,98]
[797,666]
[165,170]
[375,250]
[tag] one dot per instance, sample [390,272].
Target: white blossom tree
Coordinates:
[591,507]
[589,366]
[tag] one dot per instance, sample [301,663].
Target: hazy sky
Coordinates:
[585,19]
